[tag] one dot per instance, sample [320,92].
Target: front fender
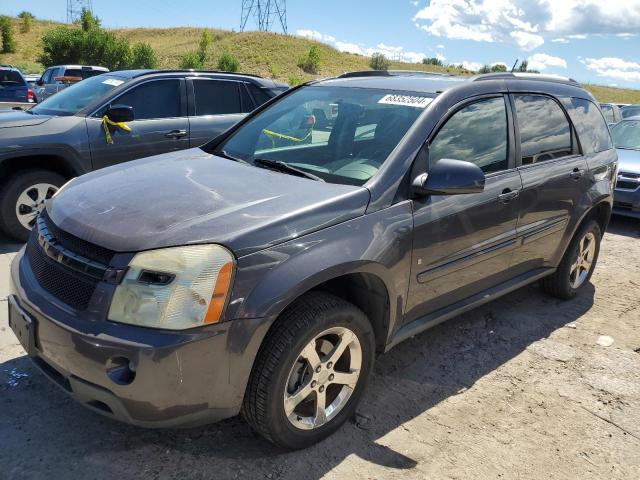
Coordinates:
[379,243]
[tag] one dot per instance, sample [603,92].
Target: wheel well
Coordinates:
[601,213]
[52,163]
[369,293]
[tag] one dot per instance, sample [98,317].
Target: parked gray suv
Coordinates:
[261,273]
[64,136]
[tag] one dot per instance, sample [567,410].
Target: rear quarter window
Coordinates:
[590,125]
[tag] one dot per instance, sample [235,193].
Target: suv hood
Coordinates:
[628,160]
[192,197]
[16,118]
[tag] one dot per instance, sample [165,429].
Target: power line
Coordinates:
[265,13]
[75,7]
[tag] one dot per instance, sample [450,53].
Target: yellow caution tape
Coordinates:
[274,135]
[106,122]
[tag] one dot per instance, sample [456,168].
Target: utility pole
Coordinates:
[265,13]
[75,7]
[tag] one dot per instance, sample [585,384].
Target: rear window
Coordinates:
[592,129]
[76,72]
[10,78]
[545,133]
[216,97]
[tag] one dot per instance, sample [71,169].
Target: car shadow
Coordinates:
[408,381]
[629,227]
[8,245]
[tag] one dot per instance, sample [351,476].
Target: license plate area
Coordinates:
[23,326]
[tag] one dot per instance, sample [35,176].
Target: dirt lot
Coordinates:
[524,387]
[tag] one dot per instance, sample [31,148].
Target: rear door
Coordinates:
[554,178]
[463,243]
[215,105]
[161,124]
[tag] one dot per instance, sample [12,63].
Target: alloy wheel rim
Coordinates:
[323,378]
[582,266]
[31,203]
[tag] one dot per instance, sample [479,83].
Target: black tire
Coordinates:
[10,191]
[299,324]
[559,284]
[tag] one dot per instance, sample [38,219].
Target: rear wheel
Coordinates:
[23,197]
[311,371]
[577,265]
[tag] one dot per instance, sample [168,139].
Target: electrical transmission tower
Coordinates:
[74,9]
[265,13]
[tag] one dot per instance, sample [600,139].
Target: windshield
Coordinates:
[340,134]
[630,112]
[74,98]
[626,134]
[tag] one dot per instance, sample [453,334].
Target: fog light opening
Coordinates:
[121,370]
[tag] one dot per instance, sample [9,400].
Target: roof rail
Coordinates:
[191,70]
[525,76]
[392,73]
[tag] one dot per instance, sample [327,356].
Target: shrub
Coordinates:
[6,34]
[498,67]
[205,41]
[61,45]
[228,63]
[27,21]
[311,62]
[296,80]
[88,21]
[143,56]
[485,69]
[379,62]
[191,60]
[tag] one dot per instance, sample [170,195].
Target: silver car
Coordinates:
[626,137]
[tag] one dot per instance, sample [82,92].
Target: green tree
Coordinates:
[379,62]
[88,21]
[228,63]
[432,61]
[191,61]
[205,41]
[6,34]
[499,67]
[311,62]
[143,56]
[27,21]
[524,65]
[484,69]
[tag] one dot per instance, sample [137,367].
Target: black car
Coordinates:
[262,273]
[67,134]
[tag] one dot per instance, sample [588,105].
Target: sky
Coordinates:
[596,41]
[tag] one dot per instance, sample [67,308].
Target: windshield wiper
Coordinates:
[286,168]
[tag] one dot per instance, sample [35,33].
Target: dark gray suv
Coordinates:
[64,136]
[261,273]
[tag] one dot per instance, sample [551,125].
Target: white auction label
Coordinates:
[406,100]
[113,81]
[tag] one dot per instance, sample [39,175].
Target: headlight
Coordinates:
[174,288]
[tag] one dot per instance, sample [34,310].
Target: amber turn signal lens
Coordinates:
[219,294]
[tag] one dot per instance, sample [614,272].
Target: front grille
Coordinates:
[73,288]
[628,181]
[77,245]
[623,205]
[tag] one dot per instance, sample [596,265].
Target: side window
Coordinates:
[590,125]
[245,98]
[545,132]
[607,111]
[216,97]
[155,99]
[258,94]
[46,76]
[477,133]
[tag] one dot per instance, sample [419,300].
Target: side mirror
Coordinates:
[40,82]
[450,177]
[120,113]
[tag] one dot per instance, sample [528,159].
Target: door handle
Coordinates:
[507,195]
[176,134]
[576,174]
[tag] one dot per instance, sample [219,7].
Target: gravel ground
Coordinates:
[524,387]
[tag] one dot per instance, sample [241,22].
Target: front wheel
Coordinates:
[577,265]
[23,197]
[311,371]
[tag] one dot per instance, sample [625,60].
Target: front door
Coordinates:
[463,243]
[161,124]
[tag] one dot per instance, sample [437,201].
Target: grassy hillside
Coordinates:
[271,55]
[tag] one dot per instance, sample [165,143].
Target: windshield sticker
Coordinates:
[113,81]
[406,100]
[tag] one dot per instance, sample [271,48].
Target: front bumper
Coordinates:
[626,202]
[145,377]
